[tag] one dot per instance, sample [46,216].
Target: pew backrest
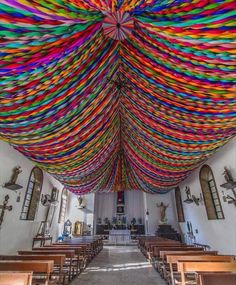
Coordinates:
[15,278]
[37,266]
[204,266]
[176,258]
[157,250]
[164,253]
[67,252]
[216,278]
[57,259]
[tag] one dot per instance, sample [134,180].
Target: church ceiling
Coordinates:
[111,95]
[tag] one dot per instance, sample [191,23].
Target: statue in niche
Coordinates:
[163,208]
[16,171]
[12,182]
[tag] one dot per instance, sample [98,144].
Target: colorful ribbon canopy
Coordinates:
[118,95]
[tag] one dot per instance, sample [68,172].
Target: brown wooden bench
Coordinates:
[164,266]
[15,278]
[172,260]
[216,278]
[71,262]
[59,261]
[81,256]
[157,250]
[185,267]
[40,268]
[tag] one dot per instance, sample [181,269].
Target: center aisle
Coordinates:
[117,265]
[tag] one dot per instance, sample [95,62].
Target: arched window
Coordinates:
[210,194]
[32,195]
[64,198]
[179,205]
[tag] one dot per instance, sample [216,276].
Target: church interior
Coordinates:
[117,142]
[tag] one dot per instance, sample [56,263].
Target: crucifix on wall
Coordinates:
[4,207]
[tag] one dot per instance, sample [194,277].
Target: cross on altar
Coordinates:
[4,207]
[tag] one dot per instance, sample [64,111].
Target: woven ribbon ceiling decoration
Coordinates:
[117,95]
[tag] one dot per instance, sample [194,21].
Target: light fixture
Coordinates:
[229,199]
[192,198]
[230,184]
[46,200]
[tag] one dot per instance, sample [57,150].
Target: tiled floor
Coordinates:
[119,265]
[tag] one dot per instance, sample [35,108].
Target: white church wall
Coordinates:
[153,219]
[85,215]
[219,234]
[18,234]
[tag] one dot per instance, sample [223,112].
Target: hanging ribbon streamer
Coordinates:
[61,107]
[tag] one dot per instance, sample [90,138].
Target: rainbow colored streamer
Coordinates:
[61,107]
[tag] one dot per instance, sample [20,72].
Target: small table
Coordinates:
[42,240]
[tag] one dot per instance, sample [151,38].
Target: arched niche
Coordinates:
[210,194]
[32,195]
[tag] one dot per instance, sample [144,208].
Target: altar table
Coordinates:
[119,236]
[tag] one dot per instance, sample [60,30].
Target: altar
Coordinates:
[119,236]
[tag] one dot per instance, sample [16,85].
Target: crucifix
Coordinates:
[4,207]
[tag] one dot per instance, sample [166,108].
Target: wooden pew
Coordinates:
[42,267]
[185,267]
[82,250]
[59,261]
[164,264]
[15,278]
[149,246]
[81,256]
[156,252]
[216,278]
[71,259]
[172,260]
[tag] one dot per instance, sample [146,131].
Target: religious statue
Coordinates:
[163,208]
[16,171]
[227,175]
[82,203]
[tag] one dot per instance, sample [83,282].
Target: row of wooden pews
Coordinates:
[181,264]
[57,264]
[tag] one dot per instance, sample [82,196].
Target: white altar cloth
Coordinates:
[119,236]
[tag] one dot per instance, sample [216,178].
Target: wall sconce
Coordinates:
[229,199]
[192,198]
[230,184]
